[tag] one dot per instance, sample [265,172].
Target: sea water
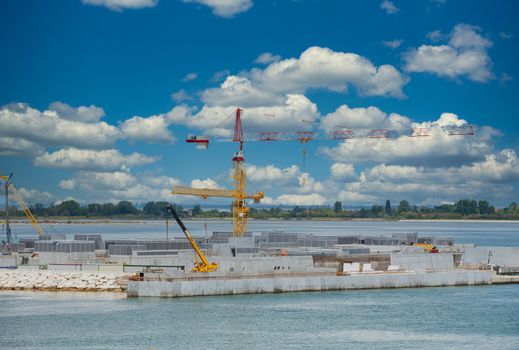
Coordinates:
[479,317]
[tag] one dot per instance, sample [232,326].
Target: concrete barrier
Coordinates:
[255,285]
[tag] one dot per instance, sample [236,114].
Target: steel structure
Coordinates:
[19,199]
[240,211]
[239,208]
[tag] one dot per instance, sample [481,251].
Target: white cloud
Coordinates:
[464,55]
[490,179]
[10,146]
[316,68]
[342,171]
[389,7]
[287,116]
[267,58]
[118,185]
[436,35]
[296,199]
[225,8]
[154,129]
[34,196]
[85,114]
[67,184]
[218,76]
[271,173]
[49,129]
[207,183]
[107,160]
[505,35]
[119,5]
[439,148]
[190,77]
[361,118]
[393,44]
[181,95]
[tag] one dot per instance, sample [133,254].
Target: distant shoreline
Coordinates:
[132,221]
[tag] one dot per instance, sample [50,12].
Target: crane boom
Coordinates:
[19,199]
[200,266]
[211,192]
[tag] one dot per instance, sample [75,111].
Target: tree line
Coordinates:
[462,209]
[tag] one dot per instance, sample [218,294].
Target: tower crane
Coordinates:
[9,185]
[240,211]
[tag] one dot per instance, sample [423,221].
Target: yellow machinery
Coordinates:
[427,247]
[18,198]
[240,212]
[201,265]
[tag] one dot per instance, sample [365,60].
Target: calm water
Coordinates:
[484,317]
[480,233]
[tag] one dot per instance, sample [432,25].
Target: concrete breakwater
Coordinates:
[62,281]
[258,284]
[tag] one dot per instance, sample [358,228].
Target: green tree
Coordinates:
[197,210]
[404,206]
[337,207]
[484,207]
[387,209]
[377,210]
[466,207]
[68,208]
[125,207]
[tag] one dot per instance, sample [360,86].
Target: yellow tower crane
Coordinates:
[240,212]
[9,185]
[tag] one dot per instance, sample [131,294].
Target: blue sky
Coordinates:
[97,97]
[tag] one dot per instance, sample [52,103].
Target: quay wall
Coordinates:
[255,285]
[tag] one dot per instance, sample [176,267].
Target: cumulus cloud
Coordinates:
[371,117]
[207,183]
[271,173]
[267,58]
[296,199]
[393,44]
[119,5]
[181,95]
[286,116]
[439,148]
[225,8]
[10,146]
[490,178]
[48,128]
[107,160]
[85,114]
[342,171]
[435,36]
[33,196]
[154,129]
[315,68]
[389,7]
[119,185]
[466,54]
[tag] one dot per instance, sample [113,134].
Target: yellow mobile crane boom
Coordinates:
[18,198]
[202,264]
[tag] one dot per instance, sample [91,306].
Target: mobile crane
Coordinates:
[201,264]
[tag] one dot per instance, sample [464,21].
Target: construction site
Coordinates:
[243,261]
